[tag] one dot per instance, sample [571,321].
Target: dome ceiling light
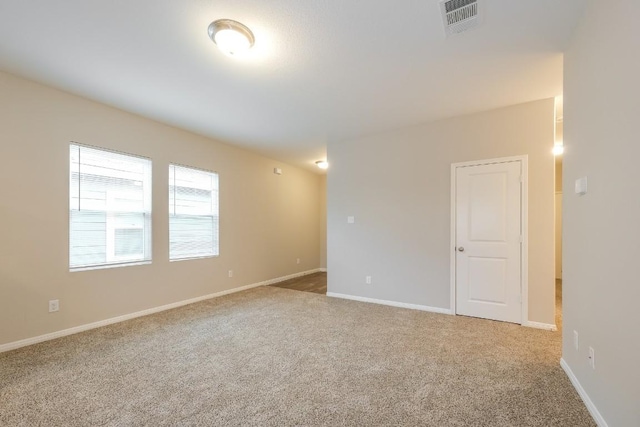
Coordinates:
[230,36]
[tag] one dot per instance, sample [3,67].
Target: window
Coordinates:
[193,213]
[109,208]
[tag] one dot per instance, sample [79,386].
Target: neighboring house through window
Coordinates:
[193,213]
[109,208]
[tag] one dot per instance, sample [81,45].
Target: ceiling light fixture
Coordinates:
[322,164]
[230,36]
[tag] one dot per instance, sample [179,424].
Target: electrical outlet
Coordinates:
[367,280]
[351,220]
[575,340]
[230,273]
[54,305]
[297,260]
[592,358]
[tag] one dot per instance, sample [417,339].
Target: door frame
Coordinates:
[524,221]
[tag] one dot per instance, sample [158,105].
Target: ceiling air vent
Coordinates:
[459,15]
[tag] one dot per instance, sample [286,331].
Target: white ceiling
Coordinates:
[321,70]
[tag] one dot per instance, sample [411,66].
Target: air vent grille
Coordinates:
[459,15]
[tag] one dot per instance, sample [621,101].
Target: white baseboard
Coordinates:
[597,417]
[323,269]
[538,325]
[391,303]
[76,329]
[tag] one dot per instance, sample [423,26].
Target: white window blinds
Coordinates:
[193,213]
[109,208]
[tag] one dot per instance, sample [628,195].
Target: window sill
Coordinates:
[102,267]
[194,257]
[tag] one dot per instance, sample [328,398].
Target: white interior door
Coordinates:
[488,241]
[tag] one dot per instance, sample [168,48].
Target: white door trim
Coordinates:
[524,209]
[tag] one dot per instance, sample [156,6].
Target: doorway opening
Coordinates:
[558,209]
[315,283]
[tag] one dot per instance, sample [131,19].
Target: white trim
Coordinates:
[324,269]
[191,258]
[452,246]
[391,303]
[524,255]
[524,218]
[539,325]
[597,416]
[113,265]
[76,329]
[492,161]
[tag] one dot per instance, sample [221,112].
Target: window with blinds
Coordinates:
[193,213]
[109,208]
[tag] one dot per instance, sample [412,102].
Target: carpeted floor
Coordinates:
[276,357]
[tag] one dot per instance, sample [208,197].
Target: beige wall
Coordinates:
[601,278]
[397,185]
[559,131]
[558,237]
[558,175]
[558,218]
[323,222]
[266,220]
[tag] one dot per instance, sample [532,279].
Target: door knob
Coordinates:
[461,249]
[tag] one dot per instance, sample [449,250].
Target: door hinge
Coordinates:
[521,239]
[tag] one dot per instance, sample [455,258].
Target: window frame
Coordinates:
[215,208]
[113,260]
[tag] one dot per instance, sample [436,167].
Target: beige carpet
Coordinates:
[276,357]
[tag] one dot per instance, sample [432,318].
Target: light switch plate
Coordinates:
[581,186]
[351,219]
[54,305]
